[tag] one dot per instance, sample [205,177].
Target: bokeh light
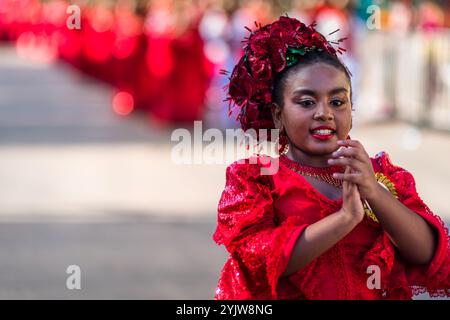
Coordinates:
[123,103]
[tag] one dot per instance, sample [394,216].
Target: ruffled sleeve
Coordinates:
[434,277]
[247,226]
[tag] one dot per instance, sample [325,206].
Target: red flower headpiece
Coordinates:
[268,51]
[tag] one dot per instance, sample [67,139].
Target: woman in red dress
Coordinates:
[97,42]
[331,222]
[153,85]
[190,77]
[179,66]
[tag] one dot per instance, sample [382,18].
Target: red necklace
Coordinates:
[321,173]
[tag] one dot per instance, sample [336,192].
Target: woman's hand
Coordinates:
[355,156]
[351,200]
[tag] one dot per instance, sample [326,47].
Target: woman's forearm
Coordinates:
[409,232]
[318,238]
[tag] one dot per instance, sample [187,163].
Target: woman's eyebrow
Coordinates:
[313,93]
[338,90]
[308,92]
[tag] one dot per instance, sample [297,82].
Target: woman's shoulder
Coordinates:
[391,174]
[382,162]
[258,169]
[254,165]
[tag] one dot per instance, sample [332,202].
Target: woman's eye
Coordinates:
[306,103]
[337,103]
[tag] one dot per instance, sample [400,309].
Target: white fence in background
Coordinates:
[405,77]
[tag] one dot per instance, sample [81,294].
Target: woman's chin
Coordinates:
[321,150]
[325,146]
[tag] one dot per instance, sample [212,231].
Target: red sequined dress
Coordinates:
[260,218]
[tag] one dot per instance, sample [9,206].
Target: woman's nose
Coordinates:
[323,113]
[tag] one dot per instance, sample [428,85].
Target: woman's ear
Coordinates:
[276,115]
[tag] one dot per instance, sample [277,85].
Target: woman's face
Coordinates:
[315,96]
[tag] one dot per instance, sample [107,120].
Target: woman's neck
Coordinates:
[308,159]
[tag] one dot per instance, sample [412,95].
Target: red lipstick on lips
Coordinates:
[321,136]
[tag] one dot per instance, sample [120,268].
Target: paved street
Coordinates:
[134,259]
[82,186]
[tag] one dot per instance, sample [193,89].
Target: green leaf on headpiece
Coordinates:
[297,51]
[293,55]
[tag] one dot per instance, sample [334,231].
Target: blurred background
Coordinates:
[91,91]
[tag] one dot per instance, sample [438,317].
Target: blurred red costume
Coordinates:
[260,218]
[180,91]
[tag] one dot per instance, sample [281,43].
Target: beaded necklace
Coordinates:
[321,173]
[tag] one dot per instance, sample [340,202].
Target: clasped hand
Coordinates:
[354,156]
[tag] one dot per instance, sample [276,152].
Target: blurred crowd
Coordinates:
[163,57]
